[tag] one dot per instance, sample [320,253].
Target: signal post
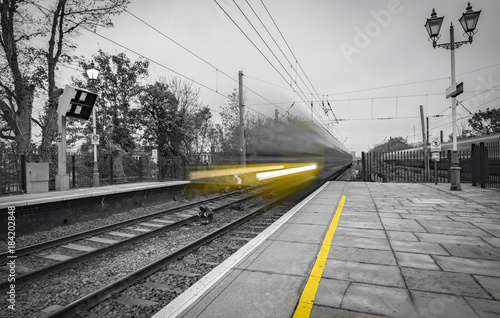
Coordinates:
[76,103]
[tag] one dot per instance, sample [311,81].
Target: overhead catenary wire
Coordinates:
[304,98]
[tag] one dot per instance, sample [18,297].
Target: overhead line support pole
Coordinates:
[242,121]
[426,159]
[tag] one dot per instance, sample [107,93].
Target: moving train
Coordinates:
[300,149]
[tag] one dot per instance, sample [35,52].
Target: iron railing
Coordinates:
[112,170]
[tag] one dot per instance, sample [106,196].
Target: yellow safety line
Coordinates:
[309,293]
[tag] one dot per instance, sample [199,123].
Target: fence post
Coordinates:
[73,170]
[363,166]
[474,164]
[483,161]
[448,154]
[184,171]
[140,168]
[23,173]
[111,168]
[159,168]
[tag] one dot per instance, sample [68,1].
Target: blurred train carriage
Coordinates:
[299,149]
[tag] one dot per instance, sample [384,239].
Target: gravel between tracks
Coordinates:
[79,280]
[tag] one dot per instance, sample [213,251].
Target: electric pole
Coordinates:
[242,122]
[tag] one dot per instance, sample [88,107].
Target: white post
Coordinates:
[455,160]
[62,178]
[95,174]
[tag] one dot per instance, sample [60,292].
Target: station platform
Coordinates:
[72,194]
[40,211]
[355,249]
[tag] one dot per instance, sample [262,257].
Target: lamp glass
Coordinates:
[92,73]
[433,26]
[469,20]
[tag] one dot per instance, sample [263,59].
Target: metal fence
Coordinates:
[403,166]
[112,170]
[480,166]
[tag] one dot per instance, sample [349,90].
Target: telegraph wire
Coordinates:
[279,47]
[286,42]
[202,59]
[260,51]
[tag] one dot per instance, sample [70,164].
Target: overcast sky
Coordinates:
[370,59]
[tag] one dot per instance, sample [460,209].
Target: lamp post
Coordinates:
[93,73]
[433,25]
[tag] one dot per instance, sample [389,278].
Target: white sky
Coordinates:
[368,58]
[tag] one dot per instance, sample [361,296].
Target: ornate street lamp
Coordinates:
[93,73]
[433,25]
[469,21]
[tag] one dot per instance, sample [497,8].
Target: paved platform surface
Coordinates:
[399,250]
[53,196]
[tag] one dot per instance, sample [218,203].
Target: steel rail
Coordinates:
[93,299]
[83,257]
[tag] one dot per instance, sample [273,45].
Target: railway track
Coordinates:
[162,280]
[64,252]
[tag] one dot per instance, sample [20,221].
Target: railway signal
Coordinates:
[76,102]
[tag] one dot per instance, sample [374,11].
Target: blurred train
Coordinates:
[297,149]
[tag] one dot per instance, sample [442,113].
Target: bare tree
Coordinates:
[26,65]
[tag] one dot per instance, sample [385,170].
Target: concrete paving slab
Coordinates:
[422,261]
[454,239]
[441,305]
[468,265]
[493,241]
[493,229]
[421,217]
[381,300]
[471,251]
[390,215]
[359,232]
[265,295]
[288,258]
[364,273]
[418,247]
[330,292]
[404,225]
[485,308]
[313,218]
[442,282]
[362,255]
[362,242]
[363,225]
[438,229]
[319,208]
[322,312]
[304,233]
[490,284]
[447,223]
[401,236]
